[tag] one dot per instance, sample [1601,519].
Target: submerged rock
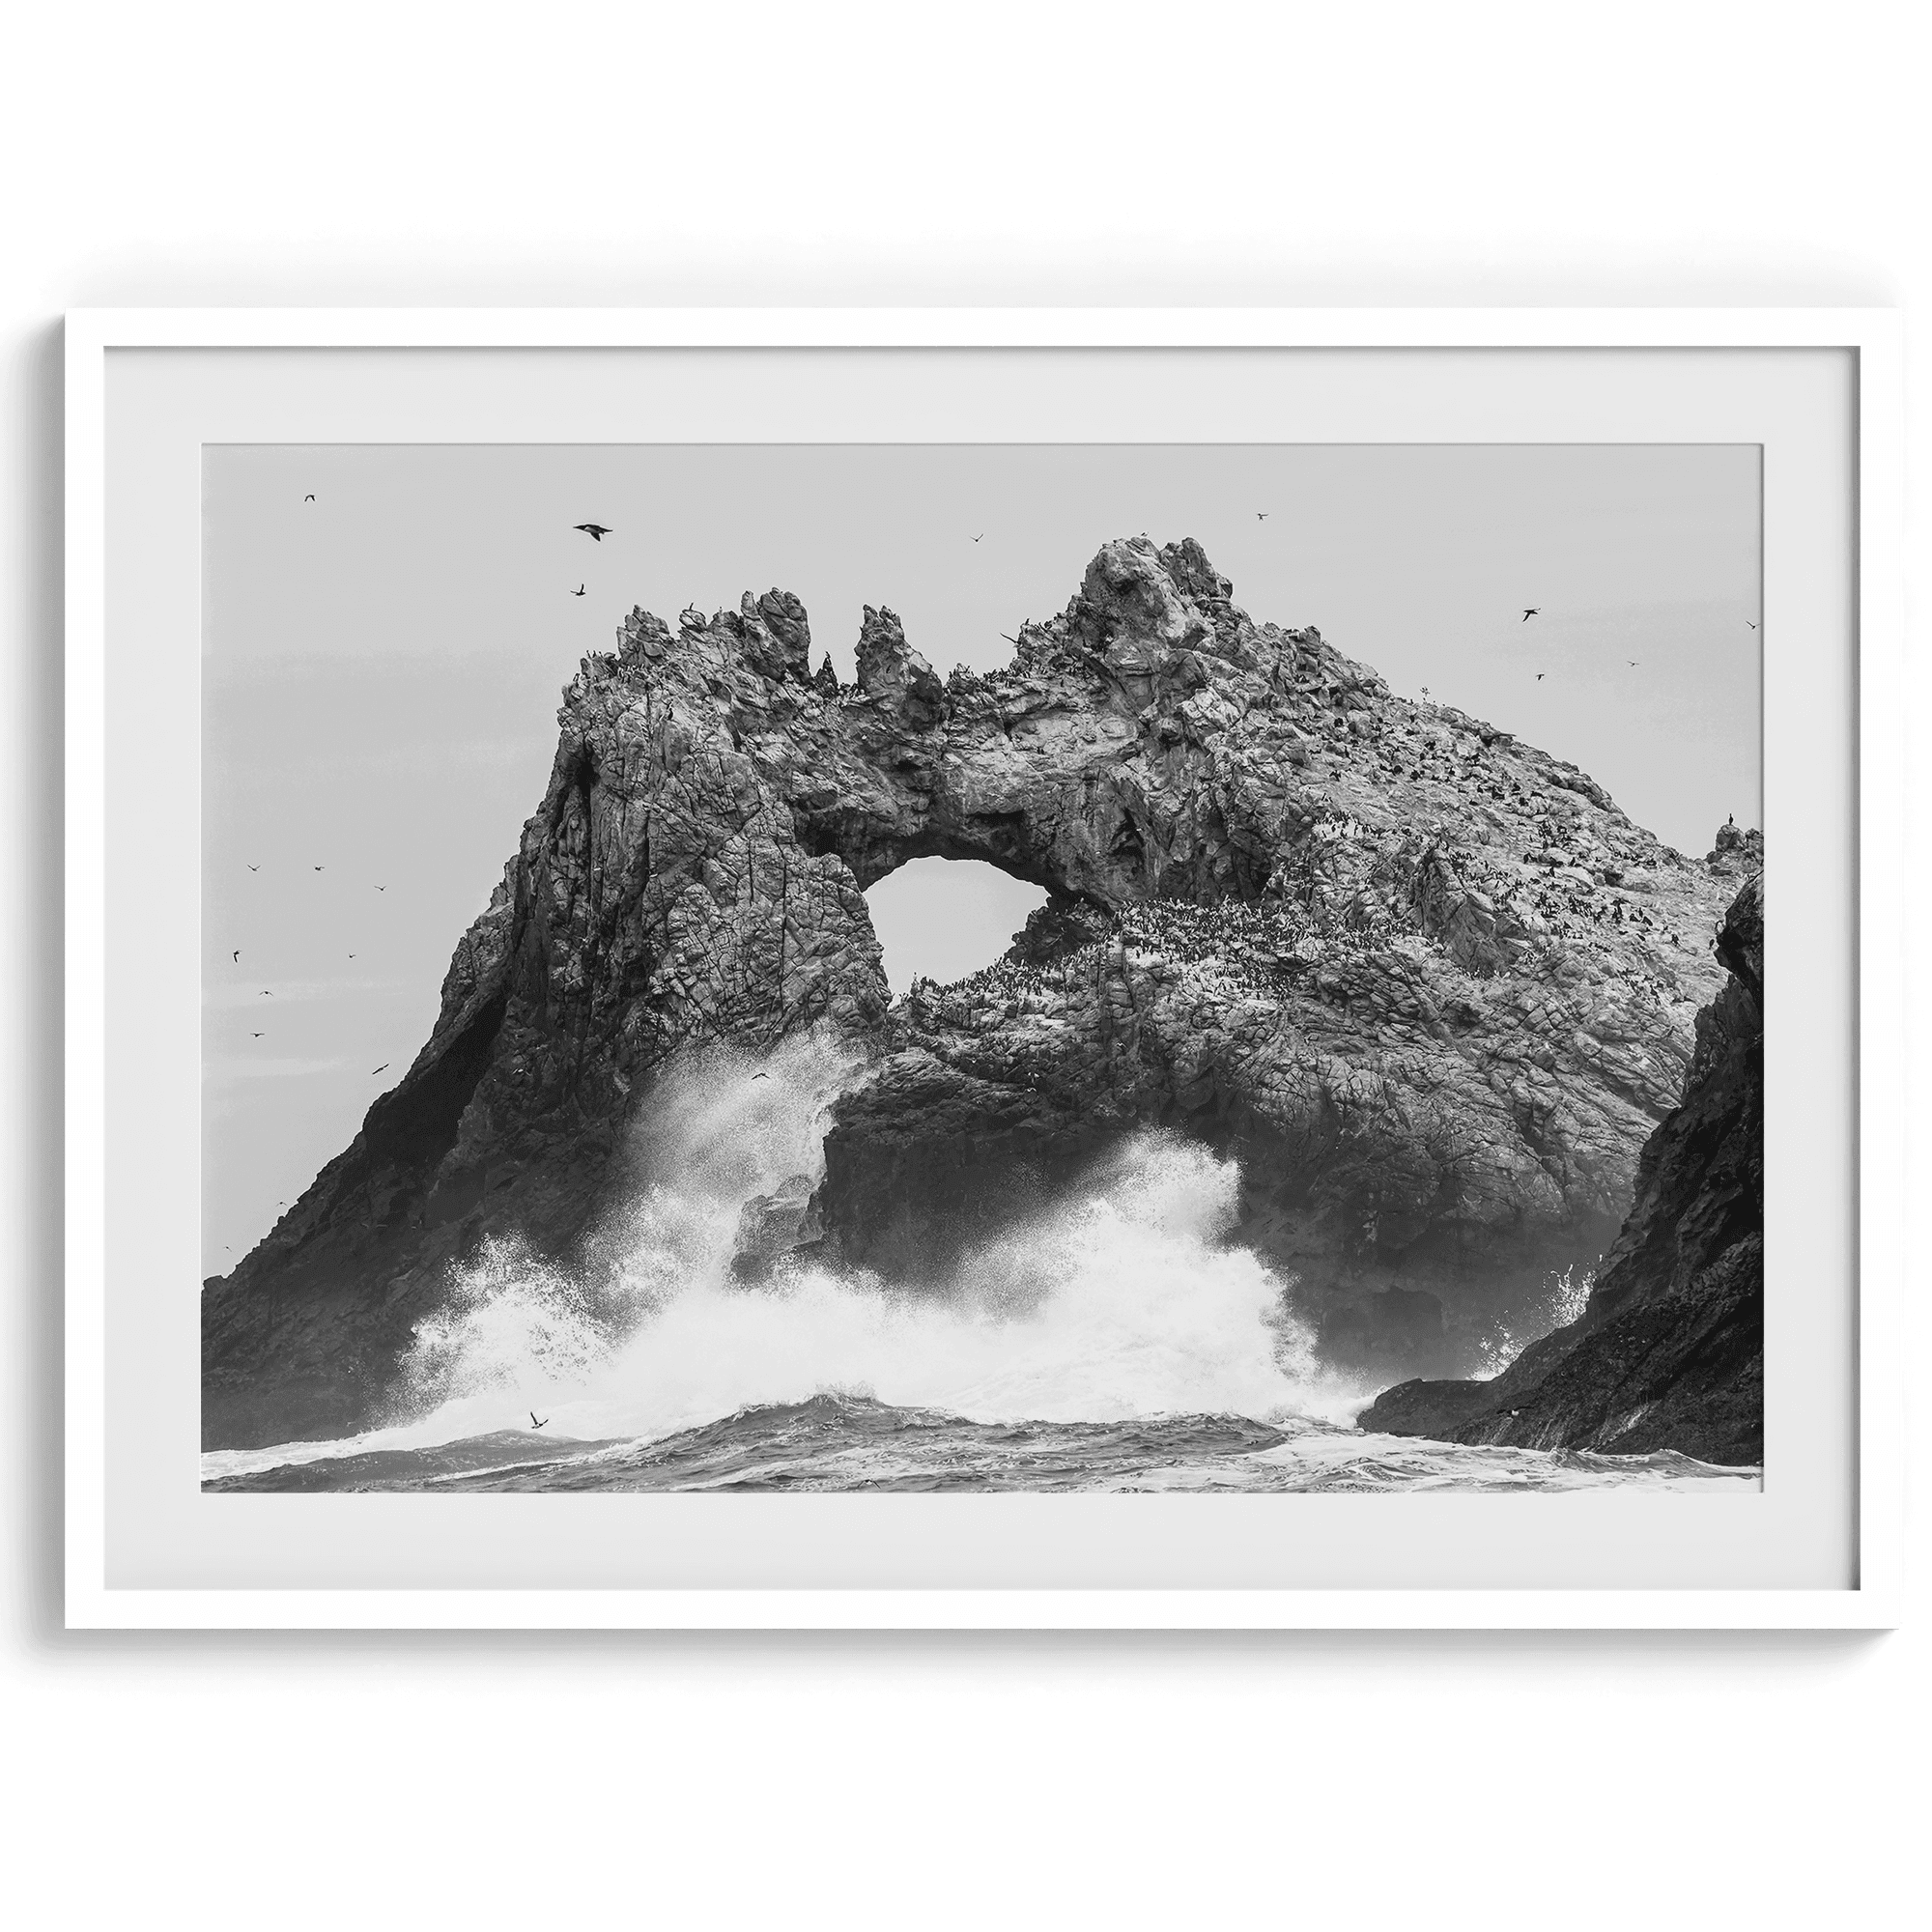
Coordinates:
[1429,985]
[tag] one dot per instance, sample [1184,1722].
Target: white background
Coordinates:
[1697,154]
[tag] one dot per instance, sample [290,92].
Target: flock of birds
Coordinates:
[596,533]
[268,992]
[1531,612]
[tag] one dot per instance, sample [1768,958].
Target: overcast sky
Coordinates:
[382,670]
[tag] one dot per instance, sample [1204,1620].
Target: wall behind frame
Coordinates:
[1494,154]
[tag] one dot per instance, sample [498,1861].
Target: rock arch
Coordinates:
[938,921]
[1289,913]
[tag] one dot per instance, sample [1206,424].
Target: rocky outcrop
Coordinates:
[1428,983]
[1736,853]
[1669,1351]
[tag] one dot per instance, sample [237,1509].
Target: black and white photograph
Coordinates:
[1126,968]
[966,969]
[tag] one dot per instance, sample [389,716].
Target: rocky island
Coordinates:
[1429,985]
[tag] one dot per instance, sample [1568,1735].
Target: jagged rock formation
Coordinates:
[1429,983]
[1669,1351]
[1737,852]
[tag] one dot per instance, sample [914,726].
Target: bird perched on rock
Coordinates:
[596,533]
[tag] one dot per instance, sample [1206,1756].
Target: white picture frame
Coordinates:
[1869,1597]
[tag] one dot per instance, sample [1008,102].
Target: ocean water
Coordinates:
[1117,1341]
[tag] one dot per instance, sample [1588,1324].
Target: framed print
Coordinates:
[1160,968]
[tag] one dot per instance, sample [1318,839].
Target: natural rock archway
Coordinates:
[942,919]
[1428,983]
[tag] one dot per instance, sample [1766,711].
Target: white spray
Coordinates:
[1124,1300]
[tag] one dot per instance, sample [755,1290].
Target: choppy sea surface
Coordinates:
[1120,1339]
[846,1444]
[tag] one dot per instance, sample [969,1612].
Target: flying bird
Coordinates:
[578,591]
[318,869]
[535,1424]
[382,889]
[1260,516]
[1632,662]
[310,497]
[237,954]
[352,955]
[258,1035]
[981,534]
[252,869]
[374,1071]
[1539,677]
[761,1076]
[1534,611]
[1749,625]
[265,994]
[596,533]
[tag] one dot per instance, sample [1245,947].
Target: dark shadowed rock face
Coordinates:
[1429,985]
[1670,1353]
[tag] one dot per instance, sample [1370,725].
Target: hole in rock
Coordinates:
[942,918]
